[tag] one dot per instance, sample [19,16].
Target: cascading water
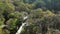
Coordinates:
[21,27]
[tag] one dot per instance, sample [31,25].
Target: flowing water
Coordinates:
[21,27]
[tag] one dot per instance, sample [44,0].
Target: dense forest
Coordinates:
[29,16]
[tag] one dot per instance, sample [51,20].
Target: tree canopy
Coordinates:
[43,16]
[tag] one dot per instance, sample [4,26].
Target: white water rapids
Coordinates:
[21,27]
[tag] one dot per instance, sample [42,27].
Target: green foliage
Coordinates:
[1,20]
[17,15]
[11,23]
[2,7]
[1,32]
[40,18]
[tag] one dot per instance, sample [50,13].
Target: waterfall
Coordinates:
[21,27]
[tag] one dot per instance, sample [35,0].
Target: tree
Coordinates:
[2,20]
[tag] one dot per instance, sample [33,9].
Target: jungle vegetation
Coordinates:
[44,16]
